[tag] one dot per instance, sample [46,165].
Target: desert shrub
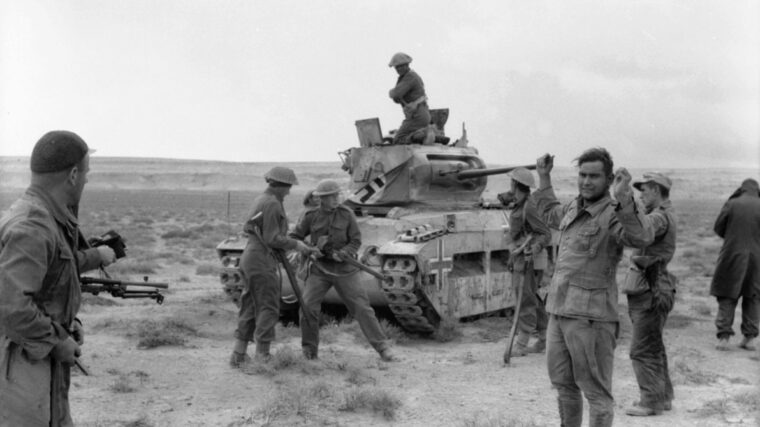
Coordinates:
[169,332]
[448,330]
[134,267]
[299,400]
[180,233]
[483,420]
[143,421]
[358,377]
[207,270]
[122,385]
[378,401]
[394,332]
[183,279]
[689,375]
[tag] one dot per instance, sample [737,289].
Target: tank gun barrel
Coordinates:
[477,173]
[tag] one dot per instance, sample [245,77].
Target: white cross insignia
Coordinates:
[441,265]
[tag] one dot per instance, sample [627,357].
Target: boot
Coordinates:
[239,359]
[387,356]
[600,419]
[722,344]
[538,347]
[747,344]
[262,352]
[571,413]
[309,353]
[642,411]
[521,344]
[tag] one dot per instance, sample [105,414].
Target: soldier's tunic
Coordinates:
[583,299]
[342,234]
[260,301]
[649,312]
[409,90]
[39,299]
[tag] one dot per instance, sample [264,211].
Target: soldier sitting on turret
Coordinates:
[410,93]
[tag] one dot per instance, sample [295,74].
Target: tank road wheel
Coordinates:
[232,280]
[407,301]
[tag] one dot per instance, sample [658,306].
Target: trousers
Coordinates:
[356,300]
[647,352]
[532,312]
[724,321]
[259,305]
[579,358]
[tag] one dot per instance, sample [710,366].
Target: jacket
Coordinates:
[39,299]
[409,88]
[737,272]
[590,248]
[272,226]
[337,227]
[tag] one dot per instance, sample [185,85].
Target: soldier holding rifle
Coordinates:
[266,226]
[40,258]
[333,227]
[583,296]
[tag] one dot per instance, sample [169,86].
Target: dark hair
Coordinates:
[664,191]
[597,154]
[522,187]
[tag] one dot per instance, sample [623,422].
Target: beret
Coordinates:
[57,151]
[655,177]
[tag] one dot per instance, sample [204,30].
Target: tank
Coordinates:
[442,251]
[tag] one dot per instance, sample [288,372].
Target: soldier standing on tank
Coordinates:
[267,226]
[583,297]
[334,229]
[649,308]
[524,224]
[410,93]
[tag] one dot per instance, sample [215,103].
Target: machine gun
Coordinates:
[121,288]
[329,252]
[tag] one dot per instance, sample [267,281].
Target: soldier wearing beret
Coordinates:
[650,289]
[40,261]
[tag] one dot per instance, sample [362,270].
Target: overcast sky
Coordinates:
[659,83]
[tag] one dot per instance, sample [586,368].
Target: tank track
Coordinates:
[405,296]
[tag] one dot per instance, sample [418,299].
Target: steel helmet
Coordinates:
[399,59]
[523,176]
[327,187]
[281,174]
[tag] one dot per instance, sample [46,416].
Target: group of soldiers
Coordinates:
[42,254]
[581,306]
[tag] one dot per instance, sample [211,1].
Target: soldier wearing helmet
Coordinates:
[334,228]
[410,93]
[526,226]
[267,227]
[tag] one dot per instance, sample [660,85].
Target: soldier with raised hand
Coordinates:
[410,93]
[334,229]
[530,236]
[583,297]
[650,289]
[267,227]
[40,261]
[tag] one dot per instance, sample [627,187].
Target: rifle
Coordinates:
[527,275]
[120,288]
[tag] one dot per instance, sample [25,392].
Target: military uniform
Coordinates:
[338,228]
[649,312]
[260,301]
[40,296]
[410,93]
[523,223]
[583,299]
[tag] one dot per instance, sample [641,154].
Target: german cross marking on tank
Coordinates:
[441,264]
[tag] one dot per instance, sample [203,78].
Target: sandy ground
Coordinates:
[462,382]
